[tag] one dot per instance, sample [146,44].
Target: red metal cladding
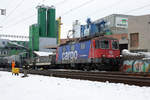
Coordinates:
[92,49]
[57,53]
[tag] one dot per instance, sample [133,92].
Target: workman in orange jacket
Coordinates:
[13,64]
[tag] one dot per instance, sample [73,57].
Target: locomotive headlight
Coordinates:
[103,55]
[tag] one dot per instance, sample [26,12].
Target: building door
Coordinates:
[123,46]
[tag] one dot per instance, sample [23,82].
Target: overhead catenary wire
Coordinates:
[107,8]
[71,10]
[137,8]
[24,12]
[61,2]
[29,17]
[26,18]
[32,7]
[13,10]
[22,20]
[116,3]
[77,7]
[8,2]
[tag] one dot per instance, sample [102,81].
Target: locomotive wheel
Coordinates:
[86,68]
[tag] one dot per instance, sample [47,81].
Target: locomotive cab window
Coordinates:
[104,44]
[115,45]
[97,44]
[82,46]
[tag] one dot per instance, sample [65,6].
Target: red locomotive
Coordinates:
[90,53]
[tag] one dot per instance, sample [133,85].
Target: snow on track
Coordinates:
[37,87]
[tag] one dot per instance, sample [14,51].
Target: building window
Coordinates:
[3,42]
[134,39]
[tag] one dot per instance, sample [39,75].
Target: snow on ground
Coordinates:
[37,87]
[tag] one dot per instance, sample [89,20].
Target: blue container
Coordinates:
[82,30]
[93,29]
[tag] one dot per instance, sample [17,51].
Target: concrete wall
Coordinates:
[141,25]
[112,23]
[45,42]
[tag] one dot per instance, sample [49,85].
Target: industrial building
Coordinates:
[3,50]
[9,48]
[115,25]
[44,33]
[139,33]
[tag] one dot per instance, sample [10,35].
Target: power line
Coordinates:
[32,7]
[69,11]
[20,14]
[17,6]
[61,2]
[77,7]
[137,8]
[22,20]
[109,6]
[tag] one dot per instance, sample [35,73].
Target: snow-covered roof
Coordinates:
[147,54]
[41,53]
[140,55]
[13,43]
[126,52]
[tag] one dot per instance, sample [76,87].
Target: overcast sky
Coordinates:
[22,13]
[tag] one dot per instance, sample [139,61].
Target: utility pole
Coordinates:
[1,28]
[2,11]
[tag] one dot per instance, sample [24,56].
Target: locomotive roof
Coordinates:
[86,39]
[105,37]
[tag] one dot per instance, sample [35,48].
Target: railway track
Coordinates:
[139,79]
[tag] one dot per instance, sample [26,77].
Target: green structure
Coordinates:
[34,37]
[108,33]
[42,21]
[9,48]
[44,33]
[51,22]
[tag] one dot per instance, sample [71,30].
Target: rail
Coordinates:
[139,79]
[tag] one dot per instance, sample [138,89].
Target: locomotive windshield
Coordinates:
[103,44]
[115,45]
